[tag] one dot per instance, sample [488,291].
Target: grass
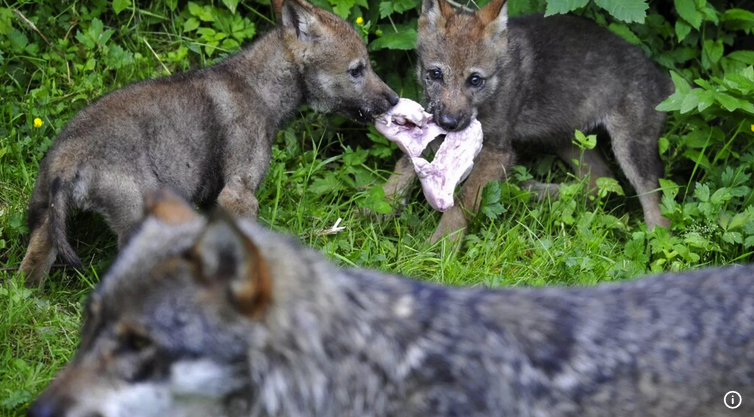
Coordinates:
[323,170]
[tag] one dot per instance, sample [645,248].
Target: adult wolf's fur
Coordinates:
[532,81]
[225,318]
[208,134]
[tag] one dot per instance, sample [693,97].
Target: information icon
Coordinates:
[732,400]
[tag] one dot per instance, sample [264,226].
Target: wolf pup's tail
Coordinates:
[59,205]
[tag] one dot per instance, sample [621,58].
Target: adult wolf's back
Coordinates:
[532,81]
[206,134]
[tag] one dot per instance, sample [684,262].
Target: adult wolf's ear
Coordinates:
[226,258]
[298,18]
[168,207]
[495,16]
[435,12]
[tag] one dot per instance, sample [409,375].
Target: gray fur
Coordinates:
[544,78]
[359,343]
[206,134]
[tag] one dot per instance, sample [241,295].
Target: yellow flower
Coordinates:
[359,20]
[38,122]
[752,128]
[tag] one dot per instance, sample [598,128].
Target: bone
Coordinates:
[408,125]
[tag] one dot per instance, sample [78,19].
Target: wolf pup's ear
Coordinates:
[301,19]
[226,257]
[168,207]
[495,16]
[435,12]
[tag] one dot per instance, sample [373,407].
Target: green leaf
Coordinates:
[728,102]
[585,142]
[490,205]
[672,103]
[172,4]
[688,12]
[746,57]
[625,10]
[607,184]
[691,101]
[714,49]
[738,14]
[18,40]
[386,9]
[203,13]
[231,4]
[625,32]
[733,237]
[669,188]
[702,192]
[697,139]
[120,5]
[706,99]
[682,29]
[681,85]
[405,40]
[190,24]
[342,8]
[563,6]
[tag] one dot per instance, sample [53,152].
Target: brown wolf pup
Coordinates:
[531,82]
[207,134]
[225,318]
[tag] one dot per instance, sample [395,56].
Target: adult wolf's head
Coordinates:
[460,56]
[169,330]
[333,60]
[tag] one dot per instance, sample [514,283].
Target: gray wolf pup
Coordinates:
[531,81]
[207,134]
[225,318]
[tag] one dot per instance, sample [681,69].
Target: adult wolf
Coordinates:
[207,134]
[225,318]
[531,82]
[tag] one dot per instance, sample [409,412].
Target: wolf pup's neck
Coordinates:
[271,76]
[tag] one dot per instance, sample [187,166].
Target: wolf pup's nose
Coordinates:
[448,122]
[392,98]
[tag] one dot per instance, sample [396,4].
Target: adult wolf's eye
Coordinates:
[356,72]
[435,74]
[476,81]
[136,342]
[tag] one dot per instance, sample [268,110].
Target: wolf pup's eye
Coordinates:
[435,74]
[476,81]
[356,72]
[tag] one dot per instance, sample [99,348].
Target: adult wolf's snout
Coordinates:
[52,407]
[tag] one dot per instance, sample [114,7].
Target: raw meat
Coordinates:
[408,125]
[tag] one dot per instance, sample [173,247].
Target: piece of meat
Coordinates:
[408,125]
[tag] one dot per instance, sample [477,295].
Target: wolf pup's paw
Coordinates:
[542,190]
[452,224]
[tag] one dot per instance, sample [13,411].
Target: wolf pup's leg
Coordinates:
[398,185]
[588,163]
[40,254]
[634,141]
[490,165]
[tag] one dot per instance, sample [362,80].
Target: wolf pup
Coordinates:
[225,318]
[208,134]
[532,81]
